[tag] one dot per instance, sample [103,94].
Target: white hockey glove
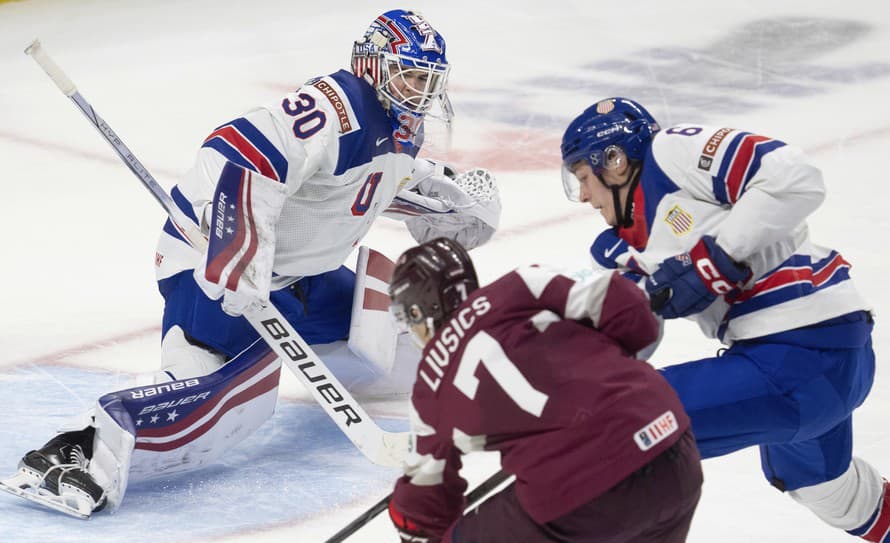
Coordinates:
[241,250]
[466,209]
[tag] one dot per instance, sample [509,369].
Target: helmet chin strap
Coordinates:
[628,220]
[625,219]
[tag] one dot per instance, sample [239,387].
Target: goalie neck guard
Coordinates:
[430,281]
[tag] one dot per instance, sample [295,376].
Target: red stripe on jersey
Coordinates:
[740,164]
[233,137]
[882,524]
[787,276]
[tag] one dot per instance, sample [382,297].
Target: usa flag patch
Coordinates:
[679,220]
[656,431]
[606,106]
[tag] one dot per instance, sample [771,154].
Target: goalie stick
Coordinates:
[473,499]
[379,446]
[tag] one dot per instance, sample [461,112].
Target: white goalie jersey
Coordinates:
[331,144]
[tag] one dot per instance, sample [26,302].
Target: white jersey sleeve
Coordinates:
[753,194]
[769,187]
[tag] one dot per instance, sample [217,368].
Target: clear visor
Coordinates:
[414,84]
[611,158]
[570,184]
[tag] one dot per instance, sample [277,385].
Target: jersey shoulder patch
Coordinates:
[335,101]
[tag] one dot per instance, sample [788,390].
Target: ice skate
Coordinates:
[56,476]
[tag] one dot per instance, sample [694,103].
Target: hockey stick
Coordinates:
[378,445]
[473,498]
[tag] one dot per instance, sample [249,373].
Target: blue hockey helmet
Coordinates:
[401,47]
[606,133]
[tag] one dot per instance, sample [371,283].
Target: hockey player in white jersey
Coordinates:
[284,193]
[711,221]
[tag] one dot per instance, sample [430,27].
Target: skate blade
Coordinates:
[22,485]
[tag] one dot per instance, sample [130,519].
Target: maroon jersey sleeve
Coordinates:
[615,305]
[431,493]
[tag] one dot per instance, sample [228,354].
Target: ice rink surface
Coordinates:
[80,311]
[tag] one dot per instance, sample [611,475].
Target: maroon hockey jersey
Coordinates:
[539,367]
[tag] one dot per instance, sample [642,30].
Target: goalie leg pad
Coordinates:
[152,431]
[372,332]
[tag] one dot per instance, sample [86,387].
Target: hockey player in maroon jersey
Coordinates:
[539,367]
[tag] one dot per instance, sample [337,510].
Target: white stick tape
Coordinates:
[51,68]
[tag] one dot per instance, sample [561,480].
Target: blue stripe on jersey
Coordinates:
[719,181]
[360,147]
[256,138]
[655,185]
[182,203]
[760,150]
[792,290]
[867,526]
[231,154]
[265,146]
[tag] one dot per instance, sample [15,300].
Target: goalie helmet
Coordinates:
[606,133]
[430,281]
[402,47]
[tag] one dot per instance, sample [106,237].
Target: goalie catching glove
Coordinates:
[688,283]
[465,208]
[243,216]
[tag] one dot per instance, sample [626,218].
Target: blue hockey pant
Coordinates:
[319,308]
[792,394]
